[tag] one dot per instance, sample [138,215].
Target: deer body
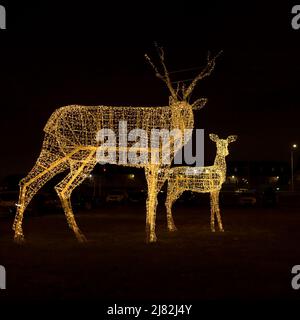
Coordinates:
[82,123]
[200,179]
[70,143]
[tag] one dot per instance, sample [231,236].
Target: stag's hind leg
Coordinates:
[80,169]
[49,163]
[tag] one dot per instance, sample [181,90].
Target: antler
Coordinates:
[204,73]
[164,77]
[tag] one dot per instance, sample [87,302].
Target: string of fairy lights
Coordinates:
[202,180]
[70,144]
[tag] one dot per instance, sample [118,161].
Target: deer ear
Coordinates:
[199,104]
[213,137]
[232,138]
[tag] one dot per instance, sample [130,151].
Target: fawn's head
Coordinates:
[180,96]
[222,144]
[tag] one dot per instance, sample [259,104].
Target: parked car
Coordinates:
[42,202]
[188,197]
[116,196]
[247,198]
[8,201]
[269,197]
[137,196]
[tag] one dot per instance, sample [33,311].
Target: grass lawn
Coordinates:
[252,259]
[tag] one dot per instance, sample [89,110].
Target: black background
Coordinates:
[92,53]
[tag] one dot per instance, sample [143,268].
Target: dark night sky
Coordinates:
[53,56]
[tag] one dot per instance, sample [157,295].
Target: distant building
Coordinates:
[259,173]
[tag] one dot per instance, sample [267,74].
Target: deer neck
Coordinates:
[182,116]
[220,163]
[189,118]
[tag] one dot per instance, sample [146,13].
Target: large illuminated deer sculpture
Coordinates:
[202,180]
[70,144]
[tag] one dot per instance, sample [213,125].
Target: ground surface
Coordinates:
[251,260]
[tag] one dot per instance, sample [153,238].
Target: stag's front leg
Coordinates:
[152,181]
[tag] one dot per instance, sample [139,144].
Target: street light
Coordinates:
[294,147]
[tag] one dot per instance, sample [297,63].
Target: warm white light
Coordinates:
[206,180]
[295,146]
[70,144]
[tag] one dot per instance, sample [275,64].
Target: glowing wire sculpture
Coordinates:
[70,143]
[202,180]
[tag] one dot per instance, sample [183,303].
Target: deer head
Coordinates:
[180,97]
[222,144]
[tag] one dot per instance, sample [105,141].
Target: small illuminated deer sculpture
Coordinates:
[71,143]
[202,180]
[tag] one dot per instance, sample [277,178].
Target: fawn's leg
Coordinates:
[79,171]
[49,163]
[212,210]
[172,195]
[218,212]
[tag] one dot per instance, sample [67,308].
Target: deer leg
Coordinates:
[218,212]
[47,166]
[162,177]
[79,170]
[172,196]
[152,181]
[212,210]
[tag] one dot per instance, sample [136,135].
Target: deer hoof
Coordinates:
[19,238]
[172,228]
[81,237]
[152,238]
